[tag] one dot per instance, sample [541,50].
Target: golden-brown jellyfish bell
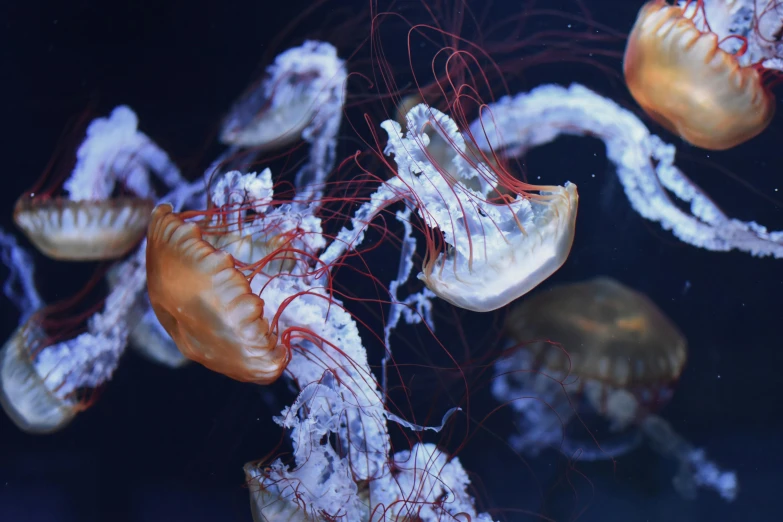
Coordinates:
[100,210]
[616,343]
[684,80]
[206,304]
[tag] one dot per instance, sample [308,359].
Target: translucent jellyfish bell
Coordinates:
[498,250]
[88,223]
[608,332]
[598,347]
[300,90]
[685,81]
[24,394]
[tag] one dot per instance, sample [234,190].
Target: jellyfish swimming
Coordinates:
[301,96]
[87,223]
[205,303]
[46,380]
[497,249]
[598,348]
[690,69]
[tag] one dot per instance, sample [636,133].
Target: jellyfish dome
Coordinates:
[599,347]
[206,305]
[608,333]
[684,79]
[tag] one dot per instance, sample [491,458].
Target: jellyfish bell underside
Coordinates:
[530,255]
[24,396]
[83,230]
[688,84]
[206,304]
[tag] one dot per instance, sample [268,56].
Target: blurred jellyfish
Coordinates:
[147,336]
[51,367]
[598,348]
[644,163]
[483,250]
[711,58]
[301,97]
[46,380]
[89,222]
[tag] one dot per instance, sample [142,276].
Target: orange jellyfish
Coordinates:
[613,344]
[206,304]
[603,351]
[685,81]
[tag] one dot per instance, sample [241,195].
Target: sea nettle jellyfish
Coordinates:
[199,292]
[598,348]
[55,362]
[690,69]
[102,209]
[240,288]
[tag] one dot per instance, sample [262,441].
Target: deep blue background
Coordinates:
[165,445]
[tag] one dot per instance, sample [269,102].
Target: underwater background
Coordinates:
[163,445]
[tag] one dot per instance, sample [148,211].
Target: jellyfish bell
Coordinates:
[301,83]
[498,249]
[684,80]
[201,265]
[24,394]
[206,304]
[48,369]
[102,209]
[614,340]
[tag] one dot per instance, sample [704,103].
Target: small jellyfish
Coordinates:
[610,335]
[25,395]
[302,85]
[107,199]
[683,78]
[300,98]
[52,366]
[598,348]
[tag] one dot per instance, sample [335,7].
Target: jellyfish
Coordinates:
[87,223]
[645,163]
[46,380]
[300,97]
[598,348]
[690,69]
[496,248]
[205,303]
